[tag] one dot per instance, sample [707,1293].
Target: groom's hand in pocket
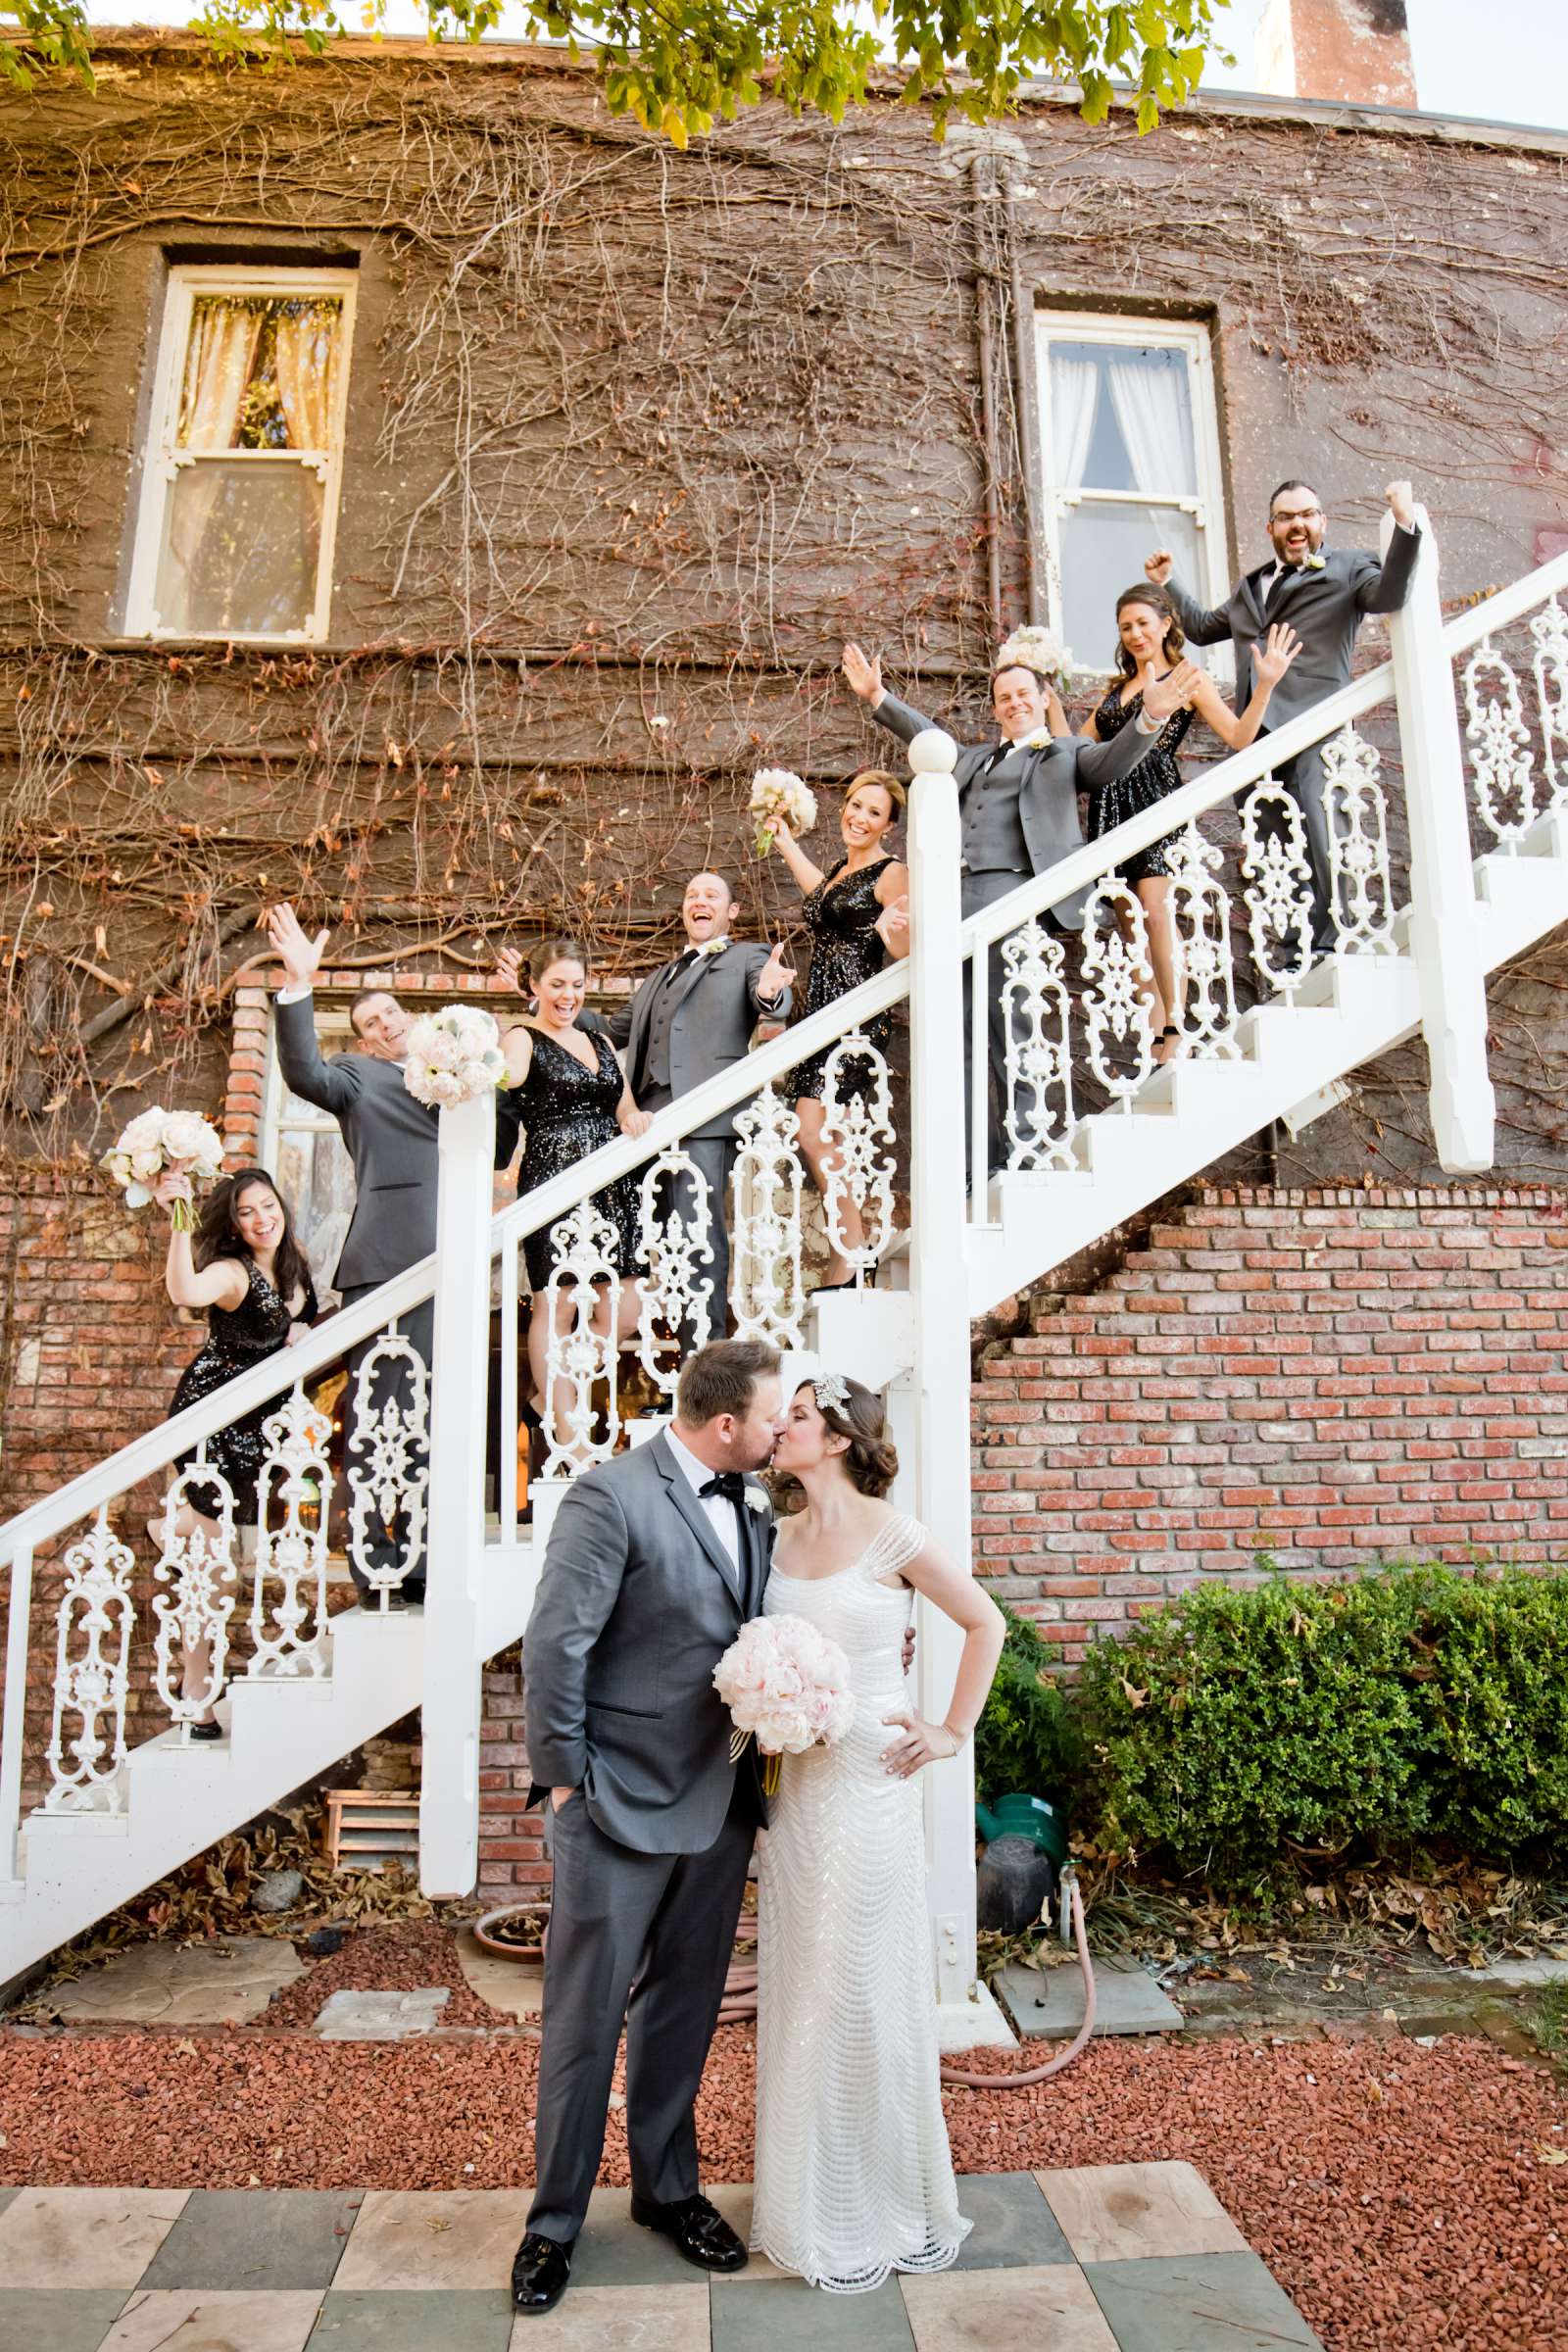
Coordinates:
[559,1796]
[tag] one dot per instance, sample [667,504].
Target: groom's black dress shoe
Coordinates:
[698,2230]
[540,2271]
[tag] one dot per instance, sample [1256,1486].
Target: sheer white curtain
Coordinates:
[1074,388]
[1150,405]
[306,350]
[218,368]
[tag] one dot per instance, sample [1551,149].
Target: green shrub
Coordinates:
[1412,1704]
[1027,1737]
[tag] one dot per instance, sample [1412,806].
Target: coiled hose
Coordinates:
[739,2005]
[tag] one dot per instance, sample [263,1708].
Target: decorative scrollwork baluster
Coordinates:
[857,1141]
[1550,630]
[1116,984]
[1037,1014]
[388,1421]
[1358,847]
[674,1225]
[92,1680]
[582,1308]
[289,1631]
[770,1292]
[1279,898]
[200,1570]
[1198,910]
[1501,760]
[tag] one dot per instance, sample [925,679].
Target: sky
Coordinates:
[1517,73]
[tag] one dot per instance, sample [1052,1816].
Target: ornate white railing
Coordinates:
[1076,1032]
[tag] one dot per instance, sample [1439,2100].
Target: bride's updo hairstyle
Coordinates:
[873,1459]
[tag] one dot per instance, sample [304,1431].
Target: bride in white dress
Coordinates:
[853,2174]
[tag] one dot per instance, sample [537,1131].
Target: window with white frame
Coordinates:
[1129,460]
[245,454]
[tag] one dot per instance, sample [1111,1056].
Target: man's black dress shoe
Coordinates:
[539,2269]
[698,2229]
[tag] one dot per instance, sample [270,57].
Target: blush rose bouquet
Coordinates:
[454,1056]
[787,1686]
[155,1140]
[779,797]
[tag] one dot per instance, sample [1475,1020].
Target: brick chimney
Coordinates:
[1354,50]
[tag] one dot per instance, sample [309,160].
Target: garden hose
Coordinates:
[739,2004]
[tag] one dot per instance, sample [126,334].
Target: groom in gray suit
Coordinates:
[391,1139]
[1018,807]
[655,1560]
[1324,593]
[688,1021]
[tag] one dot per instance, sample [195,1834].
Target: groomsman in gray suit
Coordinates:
[391,1139]
[1324,593]
[688,1021]
[1018,809]
[655,1560]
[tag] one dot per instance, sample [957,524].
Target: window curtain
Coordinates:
[218,359]
[306,355]
[1151,409]
[1074,390]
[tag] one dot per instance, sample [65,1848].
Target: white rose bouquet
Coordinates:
[454,1056]
[787,1686]
[779,797]
[155,1140]
[1031,647]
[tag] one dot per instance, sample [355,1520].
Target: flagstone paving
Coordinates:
[1109,2258]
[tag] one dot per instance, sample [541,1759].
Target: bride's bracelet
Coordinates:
[958,1743]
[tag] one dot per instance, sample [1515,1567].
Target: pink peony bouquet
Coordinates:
[454,1056]
[155,1140]
[787,1686]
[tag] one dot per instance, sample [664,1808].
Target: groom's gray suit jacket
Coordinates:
[1325,608]
[637,1603]
[1048,799]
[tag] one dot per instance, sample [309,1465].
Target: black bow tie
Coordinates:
[728,1483]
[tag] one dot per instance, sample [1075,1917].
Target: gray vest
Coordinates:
[992,827]
[656,1056]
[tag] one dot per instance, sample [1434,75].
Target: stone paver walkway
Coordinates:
[1114,2258]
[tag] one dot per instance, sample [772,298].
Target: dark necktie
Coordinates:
[1286,573]
[728,1483]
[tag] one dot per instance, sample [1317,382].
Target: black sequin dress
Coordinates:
[846,950]
[238,1338]
[1155,775]
[569,1110]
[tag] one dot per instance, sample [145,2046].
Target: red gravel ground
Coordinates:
[1404,2198]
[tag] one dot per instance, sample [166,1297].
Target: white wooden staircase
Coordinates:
[1413,953]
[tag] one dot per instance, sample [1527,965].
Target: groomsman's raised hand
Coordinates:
[1157,566]
[776,976]
[298,954]
[1402,505]
[862,675]
[1173,692]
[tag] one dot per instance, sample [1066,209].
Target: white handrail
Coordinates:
[1510,604]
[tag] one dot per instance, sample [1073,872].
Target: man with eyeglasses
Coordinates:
[1324,594]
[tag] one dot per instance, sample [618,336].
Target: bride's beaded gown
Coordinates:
[853,2174]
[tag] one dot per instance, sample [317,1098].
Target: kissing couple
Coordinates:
[655,1560]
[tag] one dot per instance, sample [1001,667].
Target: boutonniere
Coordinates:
[1313,564]
[1039,741]
[712,947]
[756,1501]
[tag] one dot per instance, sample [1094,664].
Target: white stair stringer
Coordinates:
[178,1799]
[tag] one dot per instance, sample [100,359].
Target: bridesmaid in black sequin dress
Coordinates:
[244,1266]
[859,915]
[1150,644]
[572,1096]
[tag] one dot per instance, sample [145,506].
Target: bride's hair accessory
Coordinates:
[832,1393]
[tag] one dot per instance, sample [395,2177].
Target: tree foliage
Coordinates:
[678,65]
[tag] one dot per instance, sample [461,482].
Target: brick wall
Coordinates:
[1329,1376]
